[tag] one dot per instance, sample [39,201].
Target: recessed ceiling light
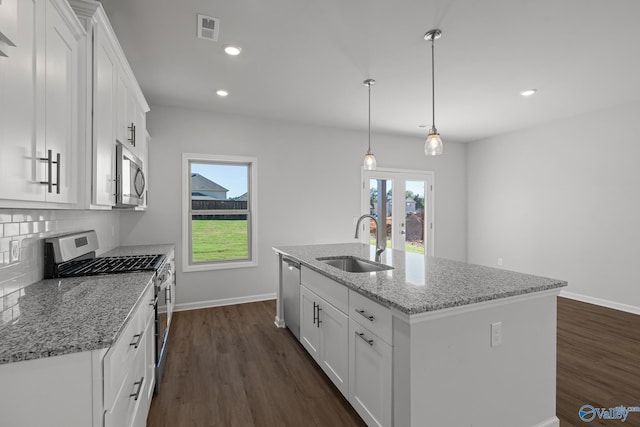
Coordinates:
[232,50]
[528,92]
[222,92]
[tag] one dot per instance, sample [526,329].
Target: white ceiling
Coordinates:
[304,61]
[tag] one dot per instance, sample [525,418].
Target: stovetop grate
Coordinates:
[110,265]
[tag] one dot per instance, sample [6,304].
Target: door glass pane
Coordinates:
[381,208]
[414,216]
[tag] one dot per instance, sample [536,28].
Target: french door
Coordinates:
[402,203]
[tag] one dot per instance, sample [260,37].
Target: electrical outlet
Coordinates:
[496,334]
[499,262]
[15,251]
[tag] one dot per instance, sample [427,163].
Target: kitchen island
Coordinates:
[430,341]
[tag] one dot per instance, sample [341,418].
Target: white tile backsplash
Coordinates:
[30,228]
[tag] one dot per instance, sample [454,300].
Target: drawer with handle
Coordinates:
[371,315]
[120,358]
[127,401]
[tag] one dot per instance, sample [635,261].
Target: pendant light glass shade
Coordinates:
[433,144]
[369,159]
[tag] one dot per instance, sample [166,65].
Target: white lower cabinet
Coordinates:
[370,374]
[351,339]
[328,343]
[99,388]
[128,381]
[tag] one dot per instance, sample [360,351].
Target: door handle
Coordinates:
[314,313]
[137,393]
[362,337]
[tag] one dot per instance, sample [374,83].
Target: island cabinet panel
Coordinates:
[370,374]
[328,343]
[446,371]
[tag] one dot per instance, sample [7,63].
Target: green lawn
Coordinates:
[218,240]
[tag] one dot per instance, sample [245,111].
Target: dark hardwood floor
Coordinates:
[598,362]
[230,366]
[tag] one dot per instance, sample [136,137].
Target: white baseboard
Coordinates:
[551,422]
[602,302]
[222,302]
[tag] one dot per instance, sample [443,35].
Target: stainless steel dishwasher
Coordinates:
[291,294]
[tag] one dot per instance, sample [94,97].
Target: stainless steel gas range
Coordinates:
[74,255]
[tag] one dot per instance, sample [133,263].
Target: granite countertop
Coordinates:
[419,284]
[63,316]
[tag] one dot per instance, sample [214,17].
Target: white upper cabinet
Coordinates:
[39,108]
[105,82]
[61,105]
[116,111]
[18,112]
[8,26]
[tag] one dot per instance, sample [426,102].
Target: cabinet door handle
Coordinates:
[57,184]
[364,314]
[137,339]
[319,321]
[362,337]
[137,392]
[49,160]
[132,138]
[49,182]
[314,312]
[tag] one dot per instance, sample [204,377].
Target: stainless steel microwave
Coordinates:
[130,180]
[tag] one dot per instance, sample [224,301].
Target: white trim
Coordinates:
[454,311]
[551,422]
[601,302]
[186,199]
[279,322]
[222,302]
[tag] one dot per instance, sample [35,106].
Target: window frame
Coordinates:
[252,211]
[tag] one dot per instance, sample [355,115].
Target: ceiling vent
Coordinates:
[208,27]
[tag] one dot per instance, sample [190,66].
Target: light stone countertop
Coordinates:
[419,284]
[63,316]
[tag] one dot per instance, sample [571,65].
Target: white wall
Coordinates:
[308,190]
[562,200]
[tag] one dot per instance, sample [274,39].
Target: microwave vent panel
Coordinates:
[208,27]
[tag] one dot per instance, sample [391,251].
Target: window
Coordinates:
[218,211]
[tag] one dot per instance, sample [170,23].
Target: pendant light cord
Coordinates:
[433,87]
[369,85]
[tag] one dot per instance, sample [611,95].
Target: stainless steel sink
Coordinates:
[353,264]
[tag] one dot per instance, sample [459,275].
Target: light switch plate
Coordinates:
[496,334]
[15,251]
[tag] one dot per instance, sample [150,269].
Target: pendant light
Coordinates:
[433,144]
[369,159]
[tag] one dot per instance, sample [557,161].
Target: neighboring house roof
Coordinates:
[199,182]
[242,198]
